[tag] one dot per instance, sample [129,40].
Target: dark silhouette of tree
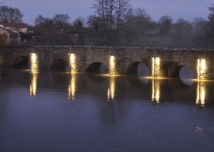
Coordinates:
[116,22]
[49,31]
[62,18]
[183,33]
[141,21]
[138,21]
[93,22]
[165,24]
[111,17]
[104,9]
[198,30]
[39,20]
[78,24]
[208,40]
[10,15]
[121,9]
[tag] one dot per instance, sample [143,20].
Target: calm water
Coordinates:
[58,112]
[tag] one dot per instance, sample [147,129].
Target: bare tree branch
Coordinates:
[10,15]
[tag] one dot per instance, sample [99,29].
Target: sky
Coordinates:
[187,9]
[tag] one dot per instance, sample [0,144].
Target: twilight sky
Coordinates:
[187,9]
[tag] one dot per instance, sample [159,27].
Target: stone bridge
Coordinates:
[161,62]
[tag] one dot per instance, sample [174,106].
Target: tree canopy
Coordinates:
[165,24]
[116,22]
[10,15]
[209,33]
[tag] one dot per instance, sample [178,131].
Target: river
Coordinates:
[83,112]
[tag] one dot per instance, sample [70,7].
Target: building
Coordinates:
[20,27]
[14,34]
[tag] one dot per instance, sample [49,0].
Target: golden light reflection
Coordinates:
[112,65]
[155,67]
[201,69]
[155,90]
[72,60]
[201,93]
[72,87]
[34,63]
[111,89]
[33,85]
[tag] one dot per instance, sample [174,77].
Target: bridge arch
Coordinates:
[21,62]
[59,65]
[97,67]
[136,66]
[191,72]
[186,74]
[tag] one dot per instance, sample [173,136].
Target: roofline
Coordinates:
[21,25]
[10,30]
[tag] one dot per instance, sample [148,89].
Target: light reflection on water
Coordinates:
[201,93]
[50,122]
[72,87]
[111,89]
[33,85]
[156,90]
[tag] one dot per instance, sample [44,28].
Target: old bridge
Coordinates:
[161,62]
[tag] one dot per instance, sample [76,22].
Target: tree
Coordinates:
[62,18]
[105,10]
[198,25]
[62,21]
[52,31]
[93,22]
[116,22]
[140,22]
[208,40]
[122,7]
[198,29]
[183,33]
[10,15]
[39,20]
[78,26]
[79,23]
[165,24]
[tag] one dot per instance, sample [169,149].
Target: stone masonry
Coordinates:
[126,59]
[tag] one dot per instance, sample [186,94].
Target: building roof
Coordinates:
[14,25]
[9,31]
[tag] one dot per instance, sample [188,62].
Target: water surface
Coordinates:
[86,112]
